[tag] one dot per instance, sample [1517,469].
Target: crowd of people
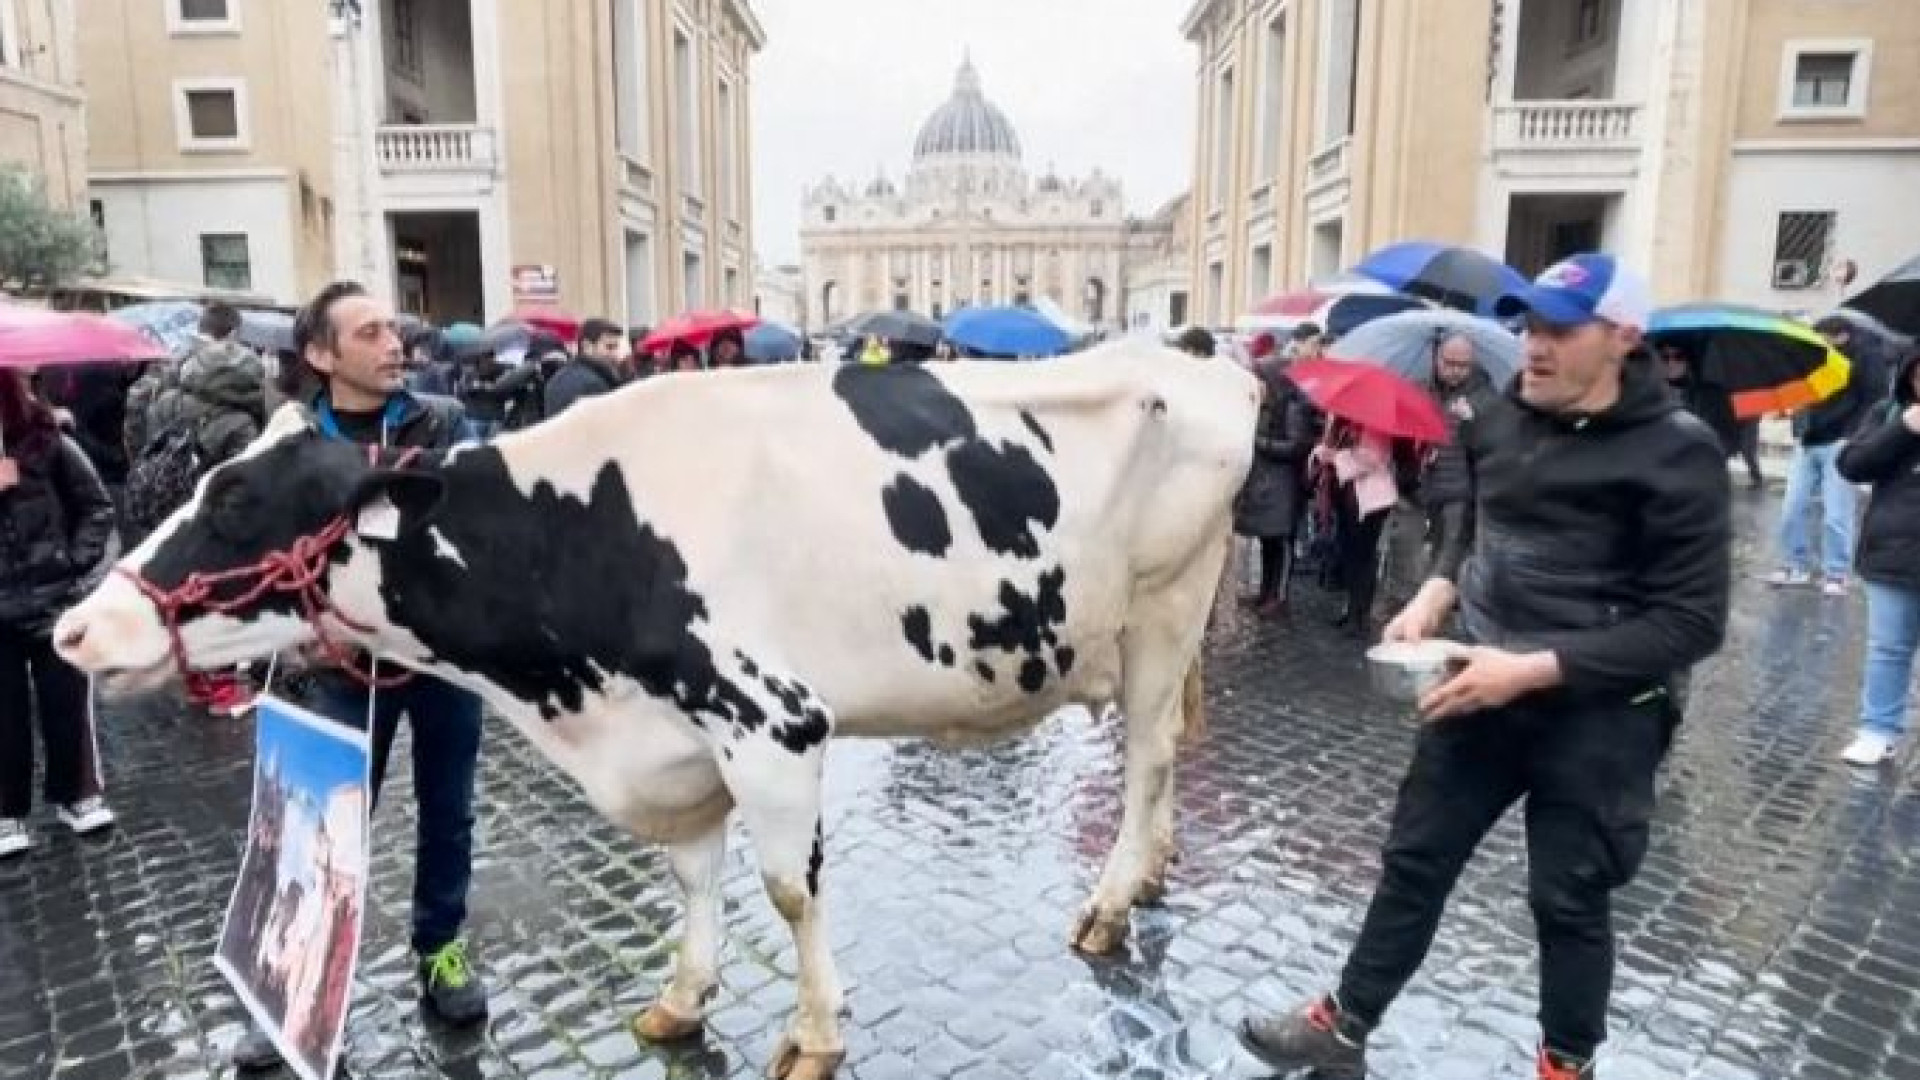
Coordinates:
[1575,532]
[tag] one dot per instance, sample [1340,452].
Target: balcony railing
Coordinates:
[1566,125]
[436,148]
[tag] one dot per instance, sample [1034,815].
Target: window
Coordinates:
[639,279]
[1224,123]
[828,213]
[1800,247]
[732,287]
[211,114]
[686,112]
[406,37]
[1825,80]
[1260,274]
[203,16]
[1273,99]
[629,18]
[1177,308]
[224,262]
[690,274]
[9,35]
[1589,22]
[729,195]
[1339,69]
[1216,284]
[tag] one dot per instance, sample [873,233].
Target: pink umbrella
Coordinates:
[30,337]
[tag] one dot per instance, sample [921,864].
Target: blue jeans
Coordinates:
[1815,475]
[446,753]
[1893,632]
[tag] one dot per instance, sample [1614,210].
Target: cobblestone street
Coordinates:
[1774,932]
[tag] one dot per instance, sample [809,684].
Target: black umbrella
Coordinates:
[900,326]
[1455,276]
[1895,299]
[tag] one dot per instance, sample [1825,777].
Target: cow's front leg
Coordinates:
[678,1012]
[777,789]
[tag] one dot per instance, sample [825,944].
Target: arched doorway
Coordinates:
[1095,299]
[827,293]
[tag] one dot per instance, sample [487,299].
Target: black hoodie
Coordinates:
[1886,454]
[1604,538]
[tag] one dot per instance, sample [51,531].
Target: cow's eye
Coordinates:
[232,509]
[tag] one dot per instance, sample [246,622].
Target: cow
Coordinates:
[680,591]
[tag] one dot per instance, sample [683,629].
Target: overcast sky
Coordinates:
[844,85]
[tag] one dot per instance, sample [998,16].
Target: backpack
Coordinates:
[162,479]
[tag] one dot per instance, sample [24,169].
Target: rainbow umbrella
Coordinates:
[1766,363]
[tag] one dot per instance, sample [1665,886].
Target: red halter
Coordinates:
[298,570]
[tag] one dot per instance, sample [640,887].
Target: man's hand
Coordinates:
[1911,418]
[1488,679]
[1422,616]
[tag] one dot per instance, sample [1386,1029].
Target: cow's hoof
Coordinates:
[1095,936]
[659,1025]
[792,1063]
[1152,891]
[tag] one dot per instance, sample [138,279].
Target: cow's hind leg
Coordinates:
[778,791]
[697,864]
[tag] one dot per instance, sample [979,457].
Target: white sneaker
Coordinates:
[1785,578]
[14,837]
[1834,586]
[1867,750]
[87,815]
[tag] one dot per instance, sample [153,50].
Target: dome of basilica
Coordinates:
[967,125]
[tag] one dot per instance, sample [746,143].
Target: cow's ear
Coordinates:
[389,501]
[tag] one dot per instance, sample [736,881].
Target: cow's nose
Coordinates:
[70,637]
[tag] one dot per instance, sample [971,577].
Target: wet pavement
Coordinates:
[1775,931]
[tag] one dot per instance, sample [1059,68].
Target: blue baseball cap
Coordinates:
[1583,289]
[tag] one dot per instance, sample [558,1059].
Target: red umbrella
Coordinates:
[30,337]
[553,320]
[695,328]
[1372,396]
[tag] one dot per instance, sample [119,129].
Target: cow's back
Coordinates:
[955,544]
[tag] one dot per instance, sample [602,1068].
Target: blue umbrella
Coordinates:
[169,324]
[266,331]
[1455,276]
[1006,331]
[772,343]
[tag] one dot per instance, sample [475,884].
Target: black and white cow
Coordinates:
[680,591]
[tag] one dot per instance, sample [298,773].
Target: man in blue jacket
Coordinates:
[348,341]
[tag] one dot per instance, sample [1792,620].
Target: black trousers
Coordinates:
[1586,773]
[1749,447]
[36,684]
[1276,567]
[1445,521]
[1359,548]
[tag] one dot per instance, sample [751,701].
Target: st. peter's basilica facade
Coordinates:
[968,226]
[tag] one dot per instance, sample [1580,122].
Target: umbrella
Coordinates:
[266,331]
[552,320]
[1407,341]
[1894,299]
[772,343]
[695,328]
[1766,362]
[170,324]
[1455,276]
[1870,326]
[1006,331]
[1337,308]
[1371,396]
[901,326]
[30,337]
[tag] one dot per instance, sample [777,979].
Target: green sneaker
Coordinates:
[449,986]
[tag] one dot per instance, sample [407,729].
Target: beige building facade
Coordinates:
[967,225]
[42,114]
[1735,149]
[467,159]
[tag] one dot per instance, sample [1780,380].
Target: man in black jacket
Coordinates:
[1598,576]
[1460,386]
[593,370]
[348,343]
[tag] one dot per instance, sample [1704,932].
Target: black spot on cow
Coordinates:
[747,667]
[947,658]
[984,670]
[1033,674]
[802,731]
[917,623]
[1063,658]
[815,860]
[1007,492]
[1033,425]
[539,614]
[916,517]
[903,407]
[1023,619]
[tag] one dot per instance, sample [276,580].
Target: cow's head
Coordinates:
[244,515]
